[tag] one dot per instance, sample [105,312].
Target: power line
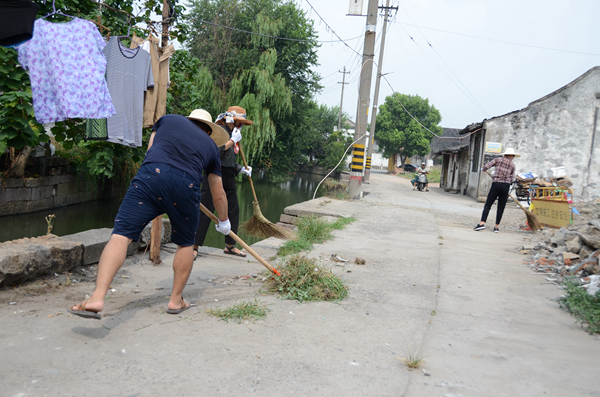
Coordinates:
[446,74]
[329,27]
[450,69]
[502,41]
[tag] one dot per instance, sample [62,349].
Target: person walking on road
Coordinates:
[168,181]
[232,122]
[502,179]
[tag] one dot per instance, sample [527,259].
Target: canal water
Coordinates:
[272,197]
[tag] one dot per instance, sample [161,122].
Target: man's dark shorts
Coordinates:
[157,189]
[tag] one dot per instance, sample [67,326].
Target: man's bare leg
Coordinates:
[111,260]
[182,267]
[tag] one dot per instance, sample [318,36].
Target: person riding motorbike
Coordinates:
[423,171]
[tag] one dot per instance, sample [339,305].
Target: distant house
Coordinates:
[560,129]
[455,159]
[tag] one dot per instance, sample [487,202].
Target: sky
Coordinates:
[472,59]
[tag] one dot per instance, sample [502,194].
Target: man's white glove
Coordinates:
[224,227]
[247,171]
[236,135]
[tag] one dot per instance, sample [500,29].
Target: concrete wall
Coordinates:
[21,196]
[560,129]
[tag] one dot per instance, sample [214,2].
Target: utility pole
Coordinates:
[387,8]
[358,151]
[343,83]
[156,231]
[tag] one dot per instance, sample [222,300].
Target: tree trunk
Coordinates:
[18,168]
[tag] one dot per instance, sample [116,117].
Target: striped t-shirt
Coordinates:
[129,75]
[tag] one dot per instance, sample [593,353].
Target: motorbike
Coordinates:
[421,182]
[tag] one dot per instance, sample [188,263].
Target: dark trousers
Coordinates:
[233,208]
[498,191]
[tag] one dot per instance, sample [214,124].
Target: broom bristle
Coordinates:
[533,221]
[259,226]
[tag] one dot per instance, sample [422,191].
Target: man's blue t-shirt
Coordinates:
[182,144]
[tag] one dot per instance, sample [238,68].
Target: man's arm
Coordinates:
[215,184]
[151,139]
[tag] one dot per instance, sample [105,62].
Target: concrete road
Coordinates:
[431,287]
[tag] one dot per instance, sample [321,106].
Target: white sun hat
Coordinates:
[510,152]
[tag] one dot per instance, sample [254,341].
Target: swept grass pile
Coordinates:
[241,311]
[303,279]
[312,230]
[584,307]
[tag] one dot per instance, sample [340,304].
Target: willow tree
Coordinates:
[267,76]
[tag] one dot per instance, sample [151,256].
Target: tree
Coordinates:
[398,133]
[269,77]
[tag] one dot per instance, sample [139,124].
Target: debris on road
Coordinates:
[572,254]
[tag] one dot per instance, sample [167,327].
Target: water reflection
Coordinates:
[272,197]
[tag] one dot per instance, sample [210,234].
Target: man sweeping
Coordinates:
[168,181]
[503,177]
[232,122]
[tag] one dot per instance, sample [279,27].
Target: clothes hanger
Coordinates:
[57,12]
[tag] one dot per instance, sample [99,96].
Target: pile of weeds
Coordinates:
[312,230]
[303,279]
[583,306]
[241,311]
[336,189]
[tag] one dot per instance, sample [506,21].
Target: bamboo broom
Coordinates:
[241,242]
[258,225]
[532,220]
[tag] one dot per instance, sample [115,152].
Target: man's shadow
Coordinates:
[192,292]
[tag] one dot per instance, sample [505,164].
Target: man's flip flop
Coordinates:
[177,311]
[82,312]
[229,251]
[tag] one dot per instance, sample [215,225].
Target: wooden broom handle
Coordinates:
[246,165]
[240,241]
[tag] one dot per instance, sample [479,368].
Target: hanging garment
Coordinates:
[129,75]
[66,66]
[155,99]
[16,21]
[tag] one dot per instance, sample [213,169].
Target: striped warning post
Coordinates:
[358,158]
[368,165]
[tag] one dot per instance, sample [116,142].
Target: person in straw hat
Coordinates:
[503,177]
[232,122]
[169,180]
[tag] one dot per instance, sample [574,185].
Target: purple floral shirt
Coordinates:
[66,66]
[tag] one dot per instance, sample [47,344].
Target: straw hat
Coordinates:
[234,113]
[510,152]
[218,134]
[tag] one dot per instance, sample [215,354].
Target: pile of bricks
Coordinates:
[568,254]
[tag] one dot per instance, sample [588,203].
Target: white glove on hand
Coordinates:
[236,135]
[245,171]
[224,227]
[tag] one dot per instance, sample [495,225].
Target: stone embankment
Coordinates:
[30,258]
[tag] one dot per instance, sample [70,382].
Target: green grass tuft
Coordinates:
[413,360]
[312,230]
[583,306]
[241,311]
[303,279]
